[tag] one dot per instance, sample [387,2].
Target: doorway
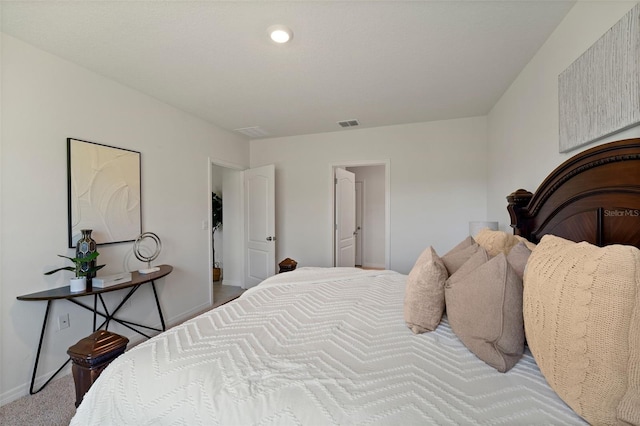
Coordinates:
[225,241]
[372,201]
[345,217]
[242,247]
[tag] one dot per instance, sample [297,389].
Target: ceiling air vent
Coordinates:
[348,123]
[252,132]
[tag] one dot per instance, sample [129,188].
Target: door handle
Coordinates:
[271,238]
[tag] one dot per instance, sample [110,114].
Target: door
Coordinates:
[260,257]
[345,217]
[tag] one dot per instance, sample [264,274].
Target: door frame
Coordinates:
[387,202]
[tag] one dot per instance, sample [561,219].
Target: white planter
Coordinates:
[78,284]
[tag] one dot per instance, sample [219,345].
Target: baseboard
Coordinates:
[189,314]
[234,283]
[23,390]
[136,339]
[373,266]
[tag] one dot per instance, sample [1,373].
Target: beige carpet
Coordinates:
[53,406]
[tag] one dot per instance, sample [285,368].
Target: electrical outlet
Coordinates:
[204,225]
[63,322]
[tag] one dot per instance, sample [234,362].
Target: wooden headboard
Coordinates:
[594,196]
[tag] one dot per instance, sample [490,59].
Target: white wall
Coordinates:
[44,101]
[438,184]
[373,210]
[523,125]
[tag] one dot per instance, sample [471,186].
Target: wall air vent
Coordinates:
[348,123]
[252,132]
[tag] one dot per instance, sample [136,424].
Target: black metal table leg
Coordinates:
[35,365]
[109,316]
[155,293]
[95,308]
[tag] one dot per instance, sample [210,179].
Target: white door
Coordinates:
[259,190]
[345,217]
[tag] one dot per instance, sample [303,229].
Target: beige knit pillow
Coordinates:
[484,309]
[458,255]
[424,293]
[496,242]
[582,321]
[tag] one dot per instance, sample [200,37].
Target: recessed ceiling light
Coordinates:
[280,33]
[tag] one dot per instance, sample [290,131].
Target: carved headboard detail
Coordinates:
[594,196]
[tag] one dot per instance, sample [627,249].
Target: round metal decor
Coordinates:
[137,247]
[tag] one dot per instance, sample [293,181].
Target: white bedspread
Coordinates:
[303,351]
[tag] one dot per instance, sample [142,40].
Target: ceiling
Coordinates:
[380,62]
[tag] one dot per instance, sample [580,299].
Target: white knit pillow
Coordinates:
[582,322]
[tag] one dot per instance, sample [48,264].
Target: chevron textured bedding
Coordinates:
[313,347]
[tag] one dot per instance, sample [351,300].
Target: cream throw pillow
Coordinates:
[484,308]
[582,321]
[424,293]
[495,242]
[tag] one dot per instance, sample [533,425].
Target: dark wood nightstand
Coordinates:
[287,265]
[91,355]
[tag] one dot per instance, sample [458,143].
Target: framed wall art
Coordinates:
[103,192]
[599,94]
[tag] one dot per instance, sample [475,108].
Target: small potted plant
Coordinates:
[79,283]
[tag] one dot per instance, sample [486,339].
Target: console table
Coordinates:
[49,296]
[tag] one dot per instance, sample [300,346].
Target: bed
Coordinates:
[332,346]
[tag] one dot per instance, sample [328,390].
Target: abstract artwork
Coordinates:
[599,94]
[103,192]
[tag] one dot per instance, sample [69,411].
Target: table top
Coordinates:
[65,293]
